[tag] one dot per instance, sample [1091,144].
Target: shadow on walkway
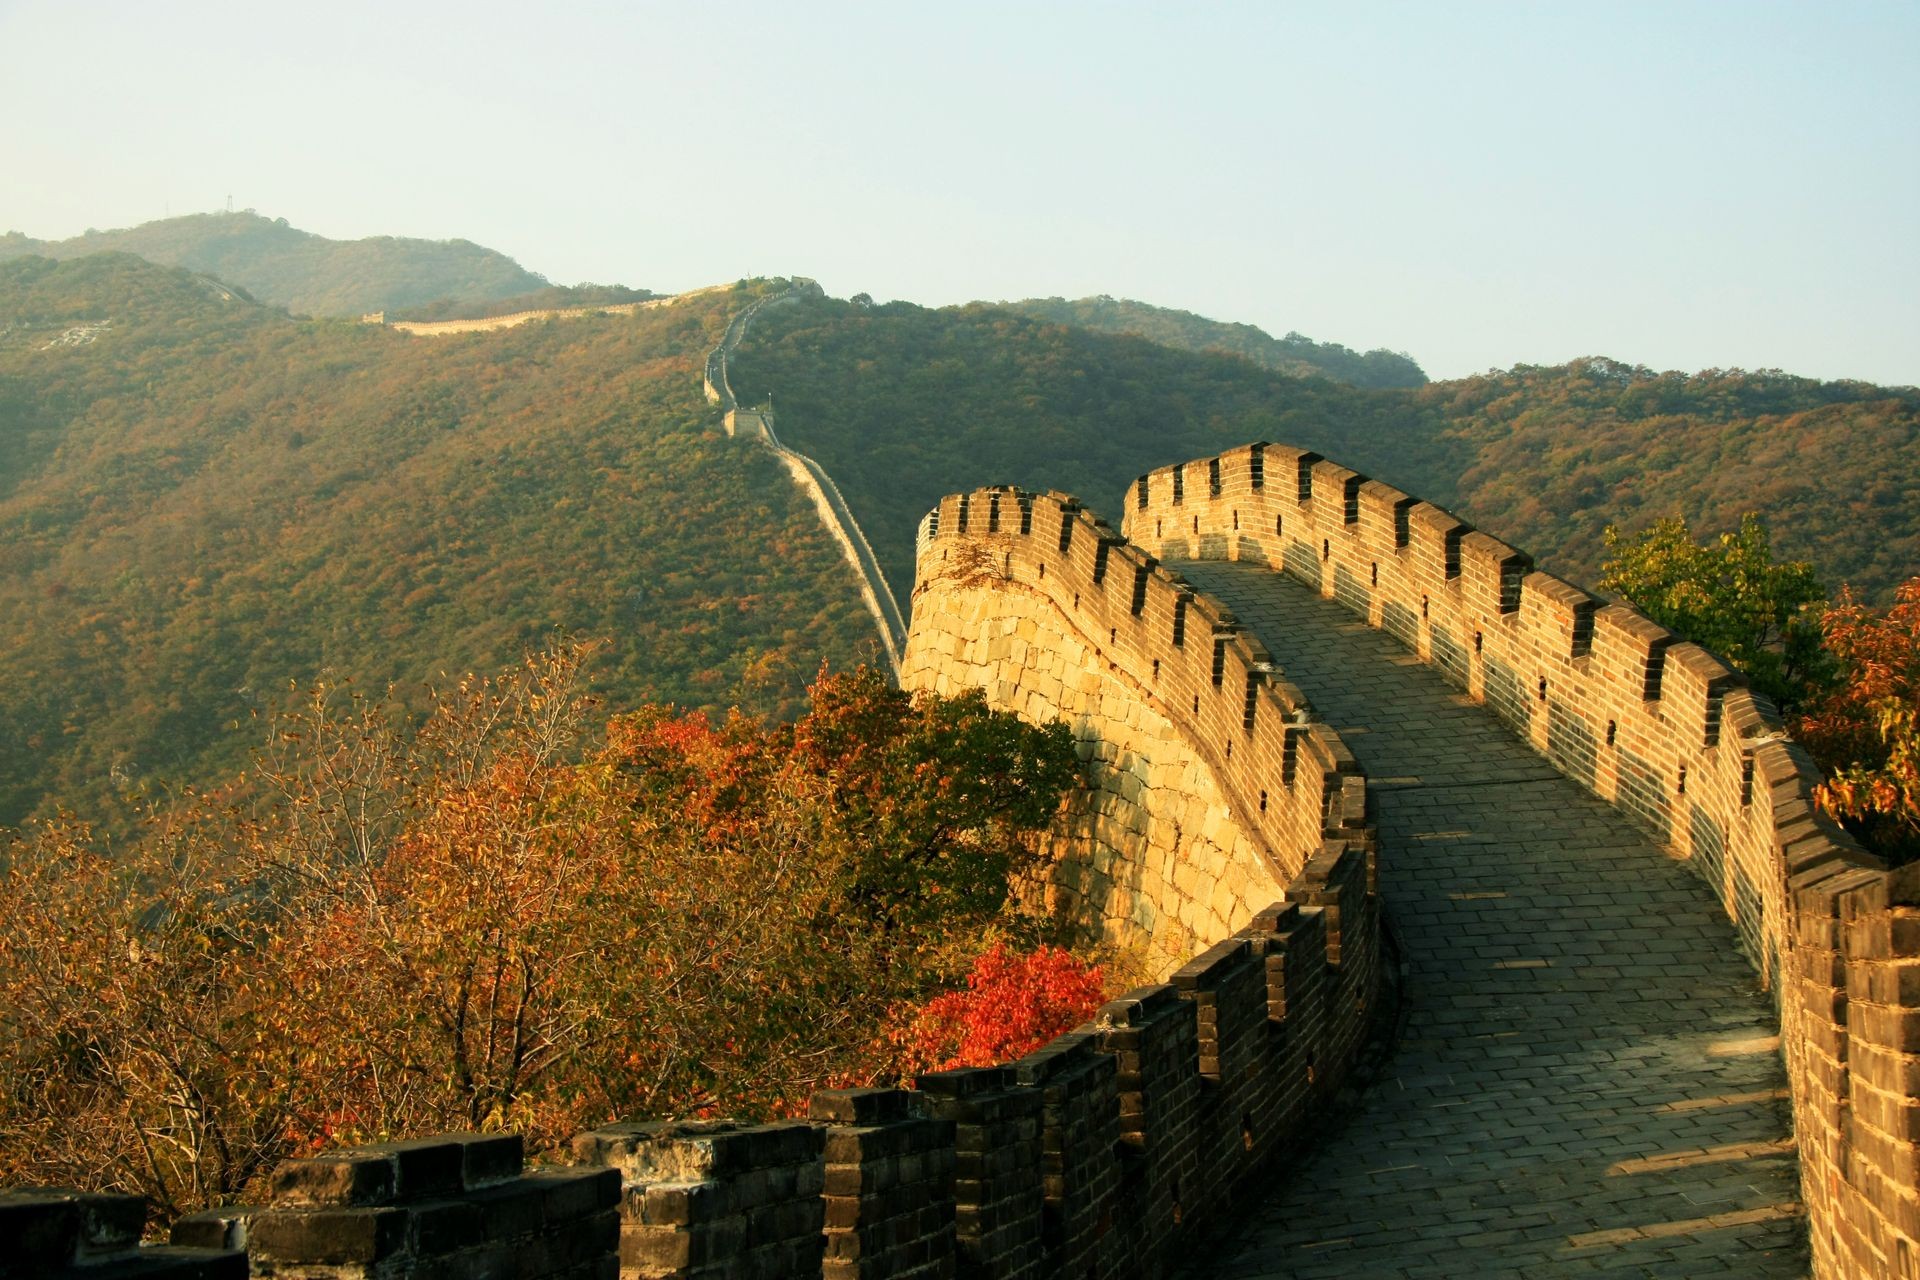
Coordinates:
[1590,1081]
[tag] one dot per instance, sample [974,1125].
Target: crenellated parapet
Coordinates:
[1212,784]
[52,1233]
[1100,1154]
[1667,732]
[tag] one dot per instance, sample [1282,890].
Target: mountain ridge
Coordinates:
[207,503]
[306,273]
[1187,331]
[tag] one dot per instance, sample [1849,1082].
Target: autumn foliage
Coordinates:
[514,916]
[1866,731]
[1012,1004]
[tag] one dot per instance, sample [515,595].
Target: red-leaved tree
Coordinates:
[1012,1004]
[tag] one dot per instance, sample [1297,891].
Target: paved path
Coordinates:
[1589,1083]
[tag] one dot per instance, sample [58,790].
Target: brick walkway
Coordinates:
[1589,1082]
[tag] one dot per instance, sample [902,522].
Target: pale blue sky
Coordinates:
[1683,185]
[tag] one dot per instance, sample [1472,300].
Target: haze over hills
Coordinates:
[305,273]
[1296,353]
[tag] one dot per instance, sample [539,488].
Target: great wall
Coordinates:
[490,324]
[835,515]
[756,424]
[1348,719]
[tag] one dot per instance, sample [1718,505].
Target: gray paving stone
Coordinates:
[1567,980]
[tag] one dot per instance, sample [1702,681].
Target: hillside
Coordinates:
[1294,354]
[203,502]
[902,404]
[1558,453]
[305,273]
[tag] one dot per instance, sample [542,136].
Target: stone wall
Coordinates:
[1667,732]
[1209,785]
[455,1206]
[48,1232]
[835,515]
[1099,1155]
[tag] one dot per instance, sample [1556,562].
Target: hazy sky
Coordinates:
[1683,185]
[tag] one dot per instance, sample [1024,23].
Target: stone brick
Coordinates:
[333,1236]
[356,1177]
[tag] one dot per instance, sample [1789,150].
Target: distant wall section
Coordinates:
[486,324]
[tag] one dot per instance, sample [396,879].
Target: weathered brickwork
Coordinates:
[997,1187]
[1095,1156]
[48,1232]
[1660,728]
[455,1207]
[710,1198]
[1208,784]
[889,1187]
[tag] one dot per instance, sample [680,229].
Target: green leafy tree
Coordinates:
[1728,594]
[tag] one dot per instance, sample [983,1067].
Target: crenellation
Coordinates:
[1645,722]
[1226,987]
[1223,840]
[453,1204]
[703,1198]
[1154,1040]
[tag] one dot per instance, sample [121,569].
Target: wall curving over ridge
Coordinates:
[1101,1154]
[811,478]
[1667,732]
[1209,785]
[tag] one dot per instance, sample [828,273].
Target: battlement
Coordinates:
[1667,732]
[1099,1154]
[1288,778]
[53,1232]
[457,1204]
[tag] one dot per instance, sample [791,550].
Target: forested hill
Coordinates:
[305,273]
[1558,453]
[203,501]
[1294,354]
[902,404]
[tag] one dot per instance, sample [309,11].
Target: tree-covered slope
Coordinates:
[1295,353]
[902,404]
[305,273]
[1559,453]
[202,501]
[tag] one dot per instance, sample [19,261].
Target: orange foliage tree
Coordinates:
[1866,731]
[505,919]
